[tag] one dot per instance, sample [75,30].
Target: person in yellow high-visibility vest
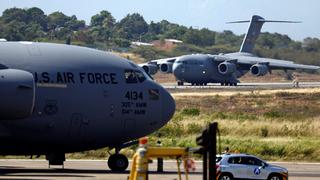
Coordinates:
[140,162]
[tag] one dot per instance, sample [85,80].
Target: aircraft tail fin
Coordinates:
[254,30]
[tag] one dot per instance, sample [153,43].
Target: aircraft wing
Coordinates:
[164,65]
[276,64]
[292,66]
[247,60]
[165,60]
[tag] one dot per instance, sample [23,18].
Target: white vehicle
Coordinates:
[245,166]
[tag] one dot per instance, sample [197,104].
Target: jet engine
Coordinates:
[227,68]
[17,94]
[150,68]
[166,67]
[259,69]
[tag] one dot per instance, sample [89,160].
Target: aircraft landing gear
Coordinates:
[180,83]
[228,84]
[56,159]
[118,162]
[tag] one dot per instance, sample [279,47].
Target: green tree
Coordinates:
[132,27]
[62,26]
[228,38]
[104,18]
[311,44]
[57,20]
[15,14]
[74,24]
[37,16]
[2,27]
[266,41]
[122,42]
[176,32]
[14,31]
[192,37]
[33,31]
[102,26]
[207,37]
[154,28]
[99,33]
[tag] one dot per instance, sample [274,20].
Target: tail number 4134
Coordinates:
[134,95]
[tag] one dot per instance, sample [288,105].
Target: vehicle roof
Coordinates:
[236,154]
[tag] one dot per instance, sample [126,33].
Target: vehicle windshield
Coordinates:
[218,159]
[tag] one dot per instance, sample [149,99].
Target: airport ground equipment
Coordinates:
[208,141]
[139,170]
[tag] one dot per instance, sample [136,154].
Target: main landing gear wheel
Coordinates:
[180,83]
[228,84]
[118,162]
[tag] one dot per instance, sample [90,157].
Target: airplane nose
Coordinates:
[168,106]
[177,69]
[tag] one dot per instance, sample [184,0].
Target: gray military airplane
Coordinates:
[200,69]
[57,99]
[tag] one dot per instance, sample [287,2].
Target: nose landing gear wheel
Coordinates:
[118,162]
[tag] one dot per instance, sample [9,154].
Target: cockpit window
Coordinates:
[134,76]
[130,76]
[140,76]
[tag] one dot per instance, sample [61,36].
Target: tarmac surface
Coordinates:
[97,169]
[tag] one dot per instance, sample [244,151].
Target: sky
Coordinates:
[211,14]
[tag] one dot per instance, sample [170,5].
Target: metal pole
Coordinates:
[160,165]
[205,165]
[212,150]
[160,159]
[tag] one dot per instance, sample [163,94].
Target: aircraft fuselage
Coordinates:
[82,100]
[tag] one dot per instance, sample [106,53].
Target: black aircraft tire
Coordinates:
[180,83]
[118,162]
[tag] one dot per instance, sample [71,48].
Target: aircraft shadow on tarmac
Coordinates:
[81,173]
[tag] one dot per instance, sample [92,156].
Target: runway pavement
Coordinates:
[97,169]
[244,86]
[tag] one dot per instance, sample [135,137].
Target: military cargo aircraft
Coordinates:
[200,69]
[57,99]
